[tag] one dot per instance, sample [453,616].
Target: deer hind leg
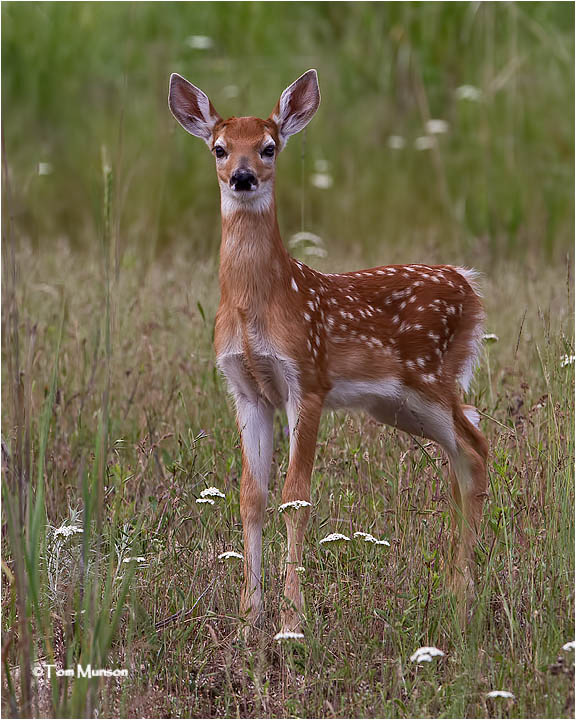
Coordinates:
[469,485]
[303,418]
[254,418]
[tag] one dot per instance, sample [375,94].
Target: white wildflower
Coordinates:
[323,181]
[437,127]
[490,338]
[294,505]
[334,537]
[396,142]
[208,501]
[67,530]
[370,538]
[300,569]
[199,42]
[302,238]
[316,251]
[212,492]
[500,693]
[468,92]
[566,360]
[138,559]
[425,654]
[288,635]
[44,168]
[230,554]
[569,646]
[425,142]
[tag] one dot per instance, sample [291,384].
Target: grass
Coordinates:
[171,433]
[114,418]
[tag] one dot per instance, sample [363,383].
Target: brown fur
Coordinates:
[414,324]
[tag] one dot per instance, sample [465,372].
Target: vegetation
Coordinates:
[114,418]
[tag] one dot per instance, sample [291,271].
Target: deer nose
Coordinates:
[243,180]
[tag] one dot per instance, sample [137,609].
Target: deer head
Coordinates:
[245,148]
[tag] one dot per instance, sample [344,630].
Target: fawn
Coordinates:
[396,341]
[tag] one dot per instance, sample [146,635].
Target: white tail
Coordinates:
[395,341]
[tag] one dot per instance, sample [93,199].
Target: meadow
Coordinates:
[114,418]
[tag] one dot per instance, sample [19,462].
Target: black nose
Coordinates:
[243,180]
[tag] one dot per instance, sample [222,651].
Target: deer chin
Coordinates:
[258,200]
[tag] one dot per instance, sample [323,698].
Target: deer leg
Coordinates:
[468,465]
[254,418]
[303,420]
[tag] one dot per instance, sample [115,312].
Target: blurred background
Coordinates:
[445,129]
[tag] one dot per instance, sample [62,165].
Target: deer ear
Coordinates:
[297,105]
[192,108]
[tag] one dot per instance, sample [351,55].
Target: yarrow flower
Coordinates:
[230,554]
[138,559]
[370,538]
[206,500]
[437,127]
[425,654]
[294,505]
[67,530]
[315,251]
[302,238]
[334,537]
[569,646]
[323,181]
[490,338]
[500,693]
[288,635]
[468,92]
[425,142]
[566,360]
[396,142]
[300,569]
[212,492]
[199,42]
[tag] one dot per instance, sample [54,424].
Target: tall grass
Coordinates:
[114,418]
[171,433]
[501,181]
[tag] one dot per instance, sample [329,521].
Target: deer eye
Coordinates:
[219,151]
[268,151]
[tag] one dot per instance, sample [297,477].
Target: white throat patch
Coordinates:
[256,201]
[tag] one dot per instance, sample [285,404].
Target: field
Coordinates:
[114,418]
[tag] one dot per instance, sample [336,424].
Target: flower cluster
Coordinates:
[67,530]
[288,635]
[294,505]
[230,554]
[334,537]
[207,495]
[425,654]
[370,538]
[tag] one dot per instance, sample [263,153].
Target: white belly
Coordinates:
[392,403]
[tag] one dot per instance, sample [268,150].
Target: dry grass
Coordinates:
[171,433]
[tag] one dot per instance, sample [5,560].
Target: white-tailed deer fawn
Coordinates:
[396,341]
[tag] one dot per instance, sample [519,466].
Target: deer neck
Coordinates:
[254,264]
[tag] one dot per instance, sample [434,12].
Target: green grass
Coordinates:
[97,73]
[114,418]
